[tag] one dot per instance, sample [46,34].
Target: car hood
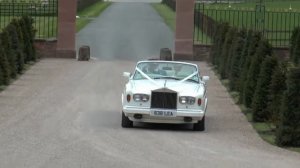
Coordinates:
[183,88]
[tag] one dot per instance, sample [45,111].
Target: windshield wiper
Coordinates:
[166,77]
[192,80]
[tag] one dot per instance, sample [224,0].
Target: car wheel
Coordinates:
[126,123]
[200,126]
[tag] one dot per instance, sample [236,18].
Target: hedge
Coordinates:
[267,86]
[288,132]
[260,100]
[16,48]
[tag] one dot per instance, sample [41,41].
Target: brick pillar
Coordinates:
[184,33]
[66,29]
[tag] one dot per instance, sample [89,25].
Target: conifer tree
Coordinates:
[251,45]
[222,36]
[288,132]
[234,62]
[264,49]
[215,43]
[277,88]
[225,52]
[262,91]
[293,40]
[16,46]
[6,42]
[28,21]
[4,68]
[295,56]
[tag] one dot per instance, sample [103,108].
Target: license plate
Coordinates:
[162,113]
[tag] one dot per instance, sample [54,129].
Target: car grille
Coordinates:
[164,100]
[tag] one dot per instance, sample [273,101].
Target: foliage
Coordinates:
[262,91]
[213,53]
[28,38]
[250,47]
[295,47]
[7,46]
[220,41]
[277,87]
[4,68]
[288,132]
[16,46]
[230,35]
[234,61]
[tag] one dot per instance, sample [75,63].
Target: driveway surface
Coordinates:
[126,31]
[66,114]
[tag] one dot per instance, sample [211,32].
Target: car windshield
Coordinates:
[166,70]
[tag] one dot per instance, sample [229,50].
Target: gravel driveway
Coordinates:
[66,114]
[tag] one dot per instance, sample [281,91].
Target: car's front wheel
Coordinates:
[200,126]
[126,123]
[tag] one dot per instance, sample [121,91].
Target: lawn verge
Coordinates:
[167,14]
[86,15]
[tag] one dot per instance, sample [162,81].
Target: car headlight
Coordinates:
[141,97]
[187,100]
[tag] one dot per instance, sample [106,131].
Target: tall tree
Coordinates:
[4,67]
[249,49]
[288,132]
[264,49]
[295,56]
[277,88]
[6,42]
[262,91]
[234,61]
[230,35]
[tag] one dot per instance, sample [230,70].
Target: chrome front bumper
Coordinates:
[147,115]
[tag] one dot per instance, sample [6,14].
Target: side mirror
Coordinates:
[205,78]
[127,74]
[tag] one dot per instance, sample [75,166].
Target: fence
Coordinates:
[43,12]
[170,3]
[277,27]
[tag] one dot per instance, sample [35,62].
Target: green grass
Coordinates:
[278,24]
[167,14]
[272,6]
[87,14]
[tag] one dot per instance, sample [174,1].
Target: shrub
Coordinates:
[293,40]
[262,91]
[230,35]
[288,132]
[28,21]
[277,88]
[4,68]
[234,61]
[220,41]
[264,49]
[249,49]
[215,42]
[8,50]
[295,56]
[16,46]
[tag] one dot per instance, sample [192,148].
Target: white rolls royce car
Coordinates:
[165,92]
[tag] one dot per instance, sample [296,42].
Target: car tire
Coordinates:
[200,126]
[126,123]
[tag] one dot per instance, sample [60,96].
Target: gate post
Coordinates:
[184,42]
[184,34]
[66,29]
